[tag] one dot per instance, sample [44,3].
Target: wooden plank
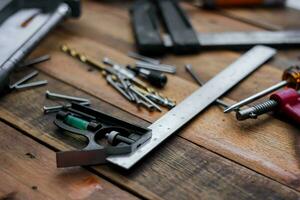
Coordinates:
[266,150]
[177,169]
[28,171]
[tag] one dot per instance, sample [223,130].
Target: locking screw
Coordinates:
[114,137]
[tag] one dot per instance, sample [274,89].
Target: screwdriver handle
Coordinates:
[288,103]
[292,76]
[157,79]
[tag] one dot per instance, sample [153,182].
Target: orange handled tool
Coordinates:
[235,3]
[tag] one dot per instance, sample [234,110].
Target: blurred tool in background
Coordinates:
[234,3]
[162,26]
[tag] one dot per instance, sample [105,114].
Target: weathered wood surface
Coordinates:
[189,162]
[28,171]
[178,169]
[266,150]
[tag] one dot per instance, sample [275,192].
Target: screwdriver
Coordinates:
[291,79]
[156,78]
[286,102]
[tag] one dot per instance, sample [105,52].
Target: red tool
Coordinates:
[285,102]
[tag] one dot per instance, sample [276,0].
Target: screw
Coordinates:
[114,137]
[24,79]
[50,109]
[254,111]
[33,84]
[35,61]
[51,95]
[255,96]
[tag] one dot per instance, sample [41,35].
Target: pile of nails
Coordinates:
[133,89]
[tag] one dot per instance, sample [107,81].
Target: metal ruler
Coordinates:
[198,101]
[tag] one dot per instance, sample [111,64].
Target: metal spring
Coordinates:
[264,107]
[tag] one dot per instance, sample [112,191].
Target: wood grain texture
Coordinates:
[268,148]
[271,19]
[178,169]
[28,171]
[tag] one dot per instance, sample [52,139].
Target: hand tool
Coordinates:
[285,102]
[157,79]
[181,38]
[143,58]
[191,71]
[21,41]
[161,67]
[234,3]
[20,84]
[52,95]
[30,85]
[198,101]
[35,61]
[106,136]
[291,78]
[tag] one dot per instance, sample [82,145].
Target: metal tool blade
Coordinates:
[198,101]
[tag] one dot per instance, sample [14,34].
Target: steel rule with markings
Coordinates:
[198,101]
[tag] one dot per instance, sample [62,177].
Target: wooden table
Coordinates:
[213,157]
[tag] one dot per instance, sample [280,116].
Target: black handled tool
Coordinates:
[155,78]
[146,28]
[180,29]
[145,21]
[181,38]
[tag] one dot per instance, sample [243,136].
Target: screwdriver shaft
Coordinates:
[256,96]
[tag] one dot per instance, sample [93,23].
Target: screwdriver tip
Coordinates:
[229,109]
